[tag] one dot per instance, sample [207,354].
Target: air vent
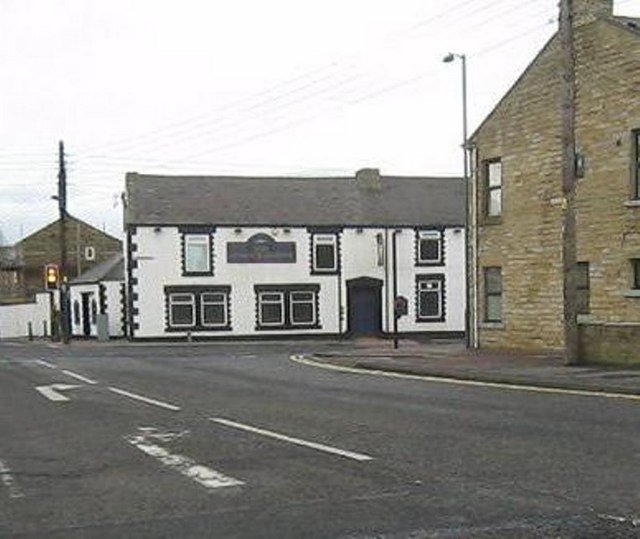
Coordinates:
[89,253]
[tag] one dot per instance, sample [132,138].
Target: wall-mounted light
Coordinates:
[237,231]
[157,229]
[286,230]
[457,231]
[358,231]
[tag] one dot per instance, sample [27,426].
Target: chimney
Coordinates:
[368,179]
[586,11]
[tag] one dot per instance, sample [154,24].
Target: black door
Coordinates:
[86,314]
[365,313]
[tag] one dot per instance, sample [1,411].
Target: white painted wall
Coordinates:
[158,259]
[15,319]
[75,295]
[114,307]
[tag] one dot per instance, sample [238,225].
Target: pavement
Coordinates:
[451,359]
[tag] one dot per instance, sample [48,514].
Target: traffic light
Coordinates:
[51,276]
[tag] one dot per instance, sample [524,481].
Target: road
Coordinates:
[236,440]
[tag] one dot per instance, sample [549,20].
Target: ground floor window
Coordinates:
[493,294]
[197,308]
[430,294]
[636,273]
[583,288]
[287,306]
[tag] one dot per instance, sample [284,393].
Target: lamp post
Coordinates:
[449,58]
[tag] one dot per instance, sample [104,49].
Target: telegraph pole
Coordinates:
[569,248]
[62,207]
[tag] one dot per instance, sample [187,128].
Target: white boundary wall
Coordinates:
[15,319]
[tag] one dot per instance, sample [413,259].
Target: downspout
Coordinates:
[386,280]
[474,245]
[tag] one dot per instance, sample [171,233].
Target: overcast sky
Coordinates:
[244,87]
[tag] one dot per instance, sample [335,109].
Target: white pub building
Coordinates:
[221,257]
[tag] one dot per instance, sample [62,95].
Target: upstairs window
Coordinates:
[635,163]
[325,253]
[429,248]
[493,174]
[635,283]
[583,287]
[197,254]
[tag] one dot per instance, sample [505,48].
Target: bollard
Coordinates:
[30,330]
[188,336]
[44,328]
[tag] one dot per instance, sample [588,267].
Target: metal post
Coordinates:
[394,271]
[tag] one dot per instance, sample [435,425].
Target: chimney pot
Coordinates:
[369,179]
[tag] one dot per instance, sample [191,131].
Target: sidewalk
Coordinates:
[450,359]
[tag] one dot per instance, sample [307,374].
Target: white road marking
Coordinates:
[45,364]
[80,377]
[202,475]
[297,441]
[9,482]
[51,391]
[141,398]
[457,381]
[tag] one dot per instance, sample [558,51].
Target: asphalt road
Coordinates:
[238,441]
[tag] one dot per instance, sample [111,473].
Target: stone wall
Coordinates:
[524,131]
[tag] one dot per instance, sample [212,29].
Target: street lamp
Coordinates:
[449,58]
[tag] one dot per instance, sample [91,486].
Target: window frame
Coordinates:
[582,289]
[635,274]
[487,293]
[422,234]
[425,280]
[225,306]
[635,164]
[198,293]
[293,301]
[489,189]
[171,302]
[287,292]
[280,302]
[325,238]
[187,233]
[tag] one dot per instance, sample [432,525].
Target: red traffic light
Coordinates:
[51,276]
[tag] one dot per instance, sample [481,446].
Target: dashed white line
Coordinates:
[142,398]
[7,479]
[45,364]
[297,441]
[202,475]
[80,377]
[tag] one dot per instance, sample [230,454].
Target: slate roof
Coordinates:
[286,201]
[111,269]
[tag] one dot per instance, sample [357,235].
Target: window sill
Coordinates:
[491,325]
[632,294]
[632,203]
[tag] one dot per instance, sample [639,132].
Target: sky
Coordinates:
[285,87]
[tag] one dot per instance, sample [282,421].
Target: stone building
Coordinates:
[517,204]
[23,274]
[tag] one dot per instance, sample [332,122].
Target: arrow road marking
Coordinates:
[297,441]
[202,475]
[51,392]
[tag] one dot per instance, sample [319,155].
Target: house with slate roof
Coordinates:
[216,257]
[517,205]
[99,290]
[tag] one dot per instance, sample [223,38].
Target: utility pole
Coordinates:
[62,206]
[569,242]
